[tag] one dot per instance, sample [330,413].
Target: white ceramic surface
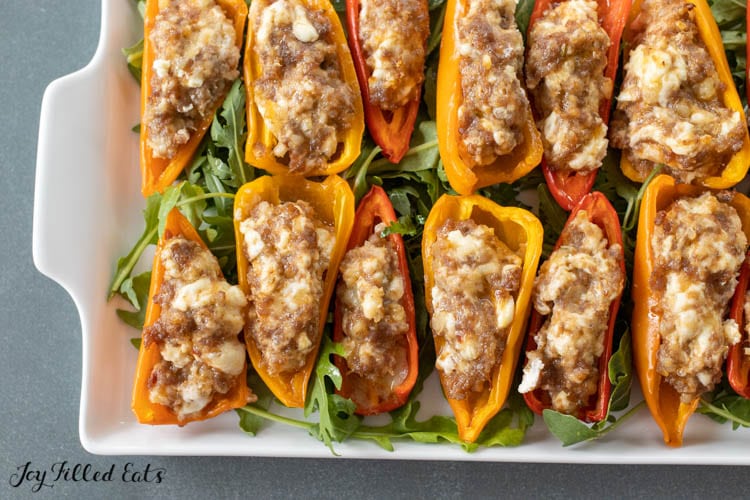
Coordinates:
[87,212]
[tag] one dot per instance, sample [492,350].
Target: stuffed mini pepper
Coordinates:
[291,234]
[191,54]
[571,62]
[374,314]
[191,363]
[575,301]
[678,105]
[479,263]
[486,133]
[304,110]
[690,247]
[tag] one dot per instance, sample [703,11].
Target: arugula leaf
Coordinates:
[553,218]
[228,131]
[621,374]
[726,12]
[358,170]
[126,264]
[251,423]
[422,154]
[724,405]
[136,342]
[168,201]
[524,8]
[135,289]
[501,431]
[336,419]
[134,57]
[437,18]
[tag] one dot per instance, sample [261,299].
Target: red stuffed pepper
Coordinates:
[374,314]
[576,297]
[570,73]
[738,359]
[388,41]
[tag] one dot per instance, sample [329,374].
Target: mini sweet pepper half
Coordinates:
[261,141]
[738,359]
[522,232]
[391,130]
[333,202]
[149,356]
[569,187]
[462,175]
[664,402]
[600,212]
[374,208]
[737,167]
[158,173]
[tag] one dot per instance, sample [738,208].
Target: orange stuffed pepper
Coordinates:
[690,245]
[191,57]
[291,234]
[678,104]
[304,109]
[479,146]
[191,363]
[479,263]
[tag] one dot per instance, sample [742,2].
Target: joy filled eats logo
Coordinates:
[36,478]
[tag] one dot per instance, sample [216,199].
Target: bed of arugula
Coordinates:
[205,193]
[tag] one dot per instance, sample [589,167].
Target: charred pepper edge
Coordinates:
[392,135]
[568,187]
[154,413]
[158,173]
[333,203]
[376,205]
[463,178]
[670,414]
[601,213]
[257,131]
[737,167]
[515,227]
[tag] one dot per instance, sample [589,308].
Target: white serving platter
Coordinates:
[87,213]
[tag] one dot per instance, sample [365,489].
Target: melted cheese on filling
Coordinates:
[195,63]
[473,303]
[698,248]
[197,330]
[574,289]
[288,251]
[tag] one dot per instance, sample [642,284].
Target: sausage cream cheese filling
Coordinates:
[473,300]
[565,73]
[494,106]
[393,35]
[574,289]
[197,330]
[195,62]
[698,248]
[670,110]
[373,319]
[288,251]
[300,93]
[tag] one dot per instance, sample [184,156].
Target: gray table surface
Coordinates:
[40,359]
